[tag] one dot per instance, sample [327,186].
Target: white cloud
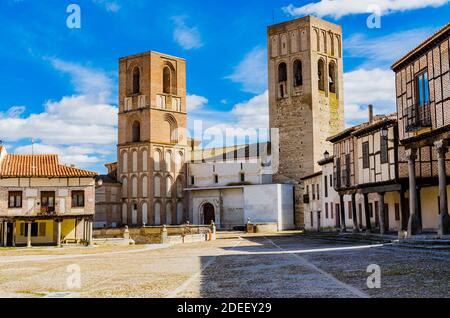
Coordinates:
[195,102]
[109,5]
[253,113]
[72,120]
[81,128]
[244,119]
[364,87]
[79,156]
[384,50]
[86,80]
[340,8]
[251,72]
[187,37]
[13,112]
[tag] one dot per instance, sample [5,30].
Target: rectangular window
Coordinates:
[371,209]
[397,212]
[318,192]
[365,153]
[383,150]
[47,201]
[422,88]
[332,210]
[192,180]
[313,191]
[34,229]
[350,212]
[242,177]
[15,199]
[326,186]
[42,229]
[216,179]
[326,210]
[331,180]
[77,199]
[312,220]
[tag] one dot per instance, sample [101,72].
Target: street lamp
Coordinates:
[384,132]
[326,155]
[100,182]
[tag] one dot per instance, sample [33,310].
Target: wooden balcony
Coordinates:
[418,117]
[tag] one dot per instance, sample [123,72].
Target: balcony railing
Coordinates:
[418,116]
[47,210]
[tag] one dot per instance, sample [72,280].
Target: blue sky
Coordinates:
[59,85]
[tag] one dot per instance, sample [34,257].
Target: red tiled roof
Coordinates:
[38,166]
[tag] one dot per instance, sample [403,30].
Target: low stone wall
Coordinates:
[160,234]
[262,228]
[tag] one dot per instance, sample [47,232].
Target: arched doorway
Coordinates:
[209,214]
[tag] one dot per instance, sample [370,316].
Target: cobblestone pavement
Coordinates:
[233,266]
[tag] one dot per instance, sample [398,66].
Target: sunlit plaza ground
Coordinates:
[235,265]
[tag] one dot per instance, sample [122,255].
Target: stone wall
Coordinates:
[159,234]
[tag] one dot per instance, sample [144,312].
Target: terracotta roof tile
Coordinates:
[39,166]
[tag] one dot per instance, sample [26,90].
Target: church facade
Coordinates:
[165,178]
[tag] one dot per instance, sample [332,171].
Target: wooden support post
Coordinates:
[29,234]
[414,224]
[444,218]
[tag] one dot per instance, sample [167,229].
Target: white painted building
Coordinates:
[234,192]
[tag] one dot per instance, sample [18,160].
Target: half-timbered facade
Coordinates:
[43,202]
[423,107]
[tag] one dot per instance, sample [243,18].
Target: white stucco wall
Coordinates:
[270,203]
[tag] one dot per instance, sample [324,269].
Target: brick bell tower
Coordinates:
[152,139]
[306,96]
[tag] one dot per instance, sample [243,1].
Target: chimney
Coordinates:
[370,114]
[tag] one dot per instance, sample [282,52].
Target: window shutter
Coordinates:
[42,229]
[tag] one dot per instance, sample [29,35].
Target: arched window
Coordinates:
[321,75]
[180,213]
[157,160]
[332,77]
[169,184]
[145,213]
[169,213]
[298,73]
[180,189]
[124,162]
[124,187]
[170,128]
[144,160]
[179,161]
[168,161]
[134,213]
[157,213]
[136,132]
[166,81]
[134,186]
[144,186]
[135,161]
[282,73]
[124,213]
[157,186]
[136,80]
